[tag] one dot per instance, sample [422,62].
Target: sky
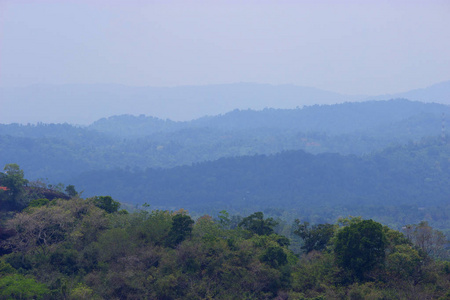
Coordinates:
[350,47]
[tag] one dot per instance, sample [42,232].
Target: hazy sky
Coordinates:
[352,47]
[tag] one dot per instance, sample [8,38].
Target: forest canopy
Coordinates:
[77,249]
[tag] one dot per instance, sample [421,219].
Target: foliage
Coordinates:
[106,203]
[5,268]
[44,228]
[360,247]
[38,202]
[71,191]
[257,224]
[180,230]
[82,292]
[315,238]
[165,255]
[428,240]
[74,249]
[17,286]
[13,179]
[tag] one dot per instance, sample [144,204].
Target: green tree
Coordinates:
[13,170]
[257,224]
[38,202]
[81,292]
[14,180]
[360,247]
[224,219]
[180,230]
[17,286]
[5,268]
[70,190]
[403,262]
[107,203]
[274,256]
[316,237]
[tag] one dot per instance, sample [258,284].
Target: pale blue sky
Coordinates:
[351,47]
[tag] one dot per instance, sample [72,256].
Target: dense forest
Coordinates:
[56,245]
[60,152]
[398,185]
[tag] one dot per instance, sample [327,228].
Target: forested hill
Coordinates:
[333,119]
[62,151]
[416,174]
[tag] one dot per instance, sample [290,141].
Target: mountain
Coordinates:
[349,117]
[438,93]
[61,151]
[83,104]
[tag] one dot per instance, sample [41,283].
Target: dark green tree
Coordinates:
[107,203]
[274,256]
[38,202]
[360,247]
[180,230]
[70,190]
[257,224]
[316,237]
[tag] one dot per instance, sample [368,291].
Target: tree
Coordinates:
[14,181]
[256,224]
[13,170]
[180,230]
[274,256]
[39,229]
[360,247]
[316,237]
[42,229]
[70,190]
[430,241]
[403,262]
[38,202]
[81,292]
[106,203]
[224,219]
[17,286]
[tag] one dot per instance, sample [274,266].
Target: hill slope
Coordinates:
[417,174]
[61,151]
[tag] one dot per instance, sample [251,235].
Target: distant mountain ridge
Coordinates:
[60,151]
[83,104]
[438,93]
[342,118]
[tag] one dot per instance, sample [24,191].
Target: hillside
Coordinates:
[415,175]
[332,119]
[439,93]
[61,151]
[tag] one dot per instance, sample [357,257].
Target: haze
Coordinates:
[348,47]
